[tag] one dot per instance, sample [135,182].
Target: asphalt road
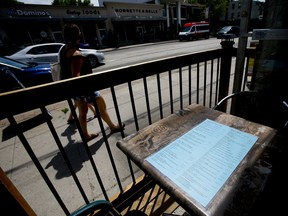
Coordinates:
[129,55]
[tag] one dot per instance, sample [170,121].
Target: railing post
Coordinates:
[227,42]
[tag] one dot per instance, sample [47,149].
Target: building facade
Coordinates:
[112,24]
[135,23]
[233,14]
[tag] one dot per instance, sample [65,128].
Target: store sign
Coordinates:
[137,12]
[27,13]
[82,12]
[86,12]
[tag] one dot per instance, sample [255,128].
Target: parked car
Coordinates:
[48,53]
[16,75]
[232,30]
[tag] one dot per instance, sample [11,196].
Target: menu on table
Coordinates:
[201,160]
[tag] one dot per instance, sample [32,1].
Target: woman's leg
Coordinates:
[91,107]
[71,118]
[83,109]
[105,116]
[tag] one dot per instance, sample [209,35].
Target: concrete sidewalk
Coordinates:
[20,169]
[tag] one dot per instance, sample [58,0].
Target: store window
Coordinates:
[39,35]
[58,37]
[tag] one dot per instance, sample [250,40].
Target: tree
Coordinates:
[72,2]
[217,8]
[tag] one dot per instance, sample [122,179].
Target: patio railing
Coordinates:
[137,95]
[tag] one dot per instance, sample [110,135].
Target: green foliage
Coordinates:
[71,2]
[65,110]
[217,7]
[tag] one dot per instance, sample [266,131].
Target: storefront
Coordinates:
[108,26]
[32,24]
[136,23]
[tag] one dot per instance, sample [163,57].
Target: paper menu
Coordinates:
[201,160]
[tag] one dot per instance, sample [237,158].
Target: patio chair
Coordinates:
[258,106]
[103,207]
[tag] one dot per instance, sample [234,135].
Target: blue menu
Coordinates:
[200,161]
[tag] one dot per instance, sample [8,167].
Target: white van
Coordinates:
[194,30]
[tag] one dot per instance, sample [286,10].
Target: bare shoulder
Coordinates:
[77,53]
[74,53]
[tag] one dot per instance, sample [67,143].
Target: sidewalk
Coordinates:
[20,169]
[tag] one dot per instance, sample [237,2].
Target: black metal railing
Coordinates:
[137,95]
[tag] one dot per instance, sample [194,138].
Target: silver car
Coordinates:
[48,53]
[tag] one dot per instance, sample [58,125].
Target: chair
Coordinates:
[257,106]
[103,207]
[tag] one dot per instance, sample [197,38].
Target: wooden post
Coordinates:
[12,202]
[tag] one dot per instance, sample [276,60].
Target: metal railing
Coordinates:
[137,95]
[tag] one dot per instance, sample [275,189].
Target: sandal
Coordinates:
[91,136]
[118,129]
[91,118]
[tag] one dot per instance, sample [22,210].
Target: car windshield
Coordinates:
[225,29]
[13,63]
[185,29]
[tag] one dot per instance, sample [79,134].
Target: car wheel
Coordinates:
[93,60]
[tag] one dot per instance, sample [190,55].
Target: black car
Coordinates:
[231,30]
[16,75]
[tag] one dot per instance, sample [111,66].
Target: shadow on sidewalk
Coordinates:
[76,154]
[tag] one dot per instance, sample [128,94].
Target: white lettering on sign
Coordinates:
[84,12]
[135,10]
[88,12]
[18,12]
[32,13]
